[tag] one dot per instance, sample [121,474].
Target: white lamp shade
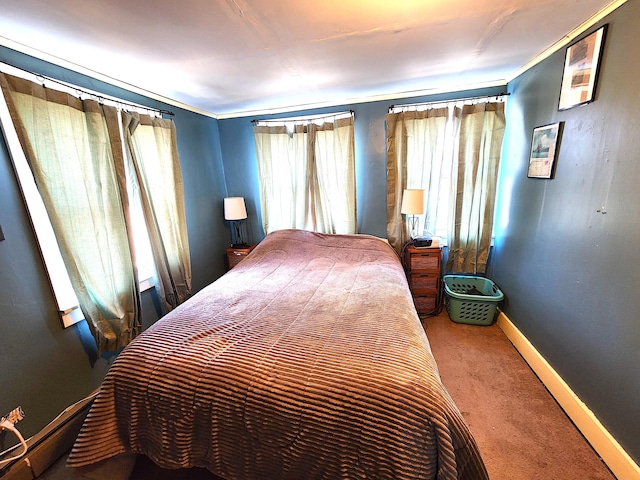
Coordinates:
[234,208]
[412,202]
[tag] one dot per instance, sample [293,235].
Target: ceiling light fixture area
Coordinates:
[227,60]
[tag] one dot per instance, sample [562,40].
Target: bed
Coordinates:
[305,361]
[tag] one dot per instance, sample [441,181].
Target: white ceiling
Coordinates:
[238,57]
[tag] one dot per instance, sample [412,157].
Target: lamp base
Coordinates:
[238,234]
[413,226]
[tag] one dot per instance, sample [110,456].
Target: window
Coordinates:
[452,152]
[428,135]
[307,173]
[64,294]
[430,153]
[58,277]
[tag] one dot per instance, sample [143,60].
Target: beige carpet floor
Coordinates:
[521,431]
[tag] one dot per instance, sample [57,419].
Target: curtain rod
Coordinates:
[305,117]
[99,97]
[452,100]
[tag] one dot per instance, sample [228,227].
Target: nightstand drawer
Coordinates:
[236,255]
[422,266]
[425,303]
[235,258]
[425,261]
[422,281]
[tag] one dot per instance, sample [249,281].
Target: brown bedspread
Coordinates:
[307,360]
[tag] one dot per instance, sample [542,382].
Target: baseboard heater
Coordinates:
[51,443]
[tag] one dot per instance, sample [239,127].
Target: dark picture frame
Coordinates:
[544,150]
[581,69]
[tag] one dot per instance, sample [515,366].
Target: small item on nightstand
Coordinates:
[236,254]
[421,242]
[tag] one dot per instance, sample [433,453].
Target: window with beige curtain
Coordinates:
[307,174]
[153,155]
[419,156]
[451,151]
[475,177]
[75,155]
[74,149]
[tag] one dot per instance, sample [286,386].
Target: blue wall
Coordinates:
[45,368]
[239,157]
[570,271]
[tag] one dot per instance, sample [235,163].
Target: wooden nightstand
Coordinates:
[236,254]
[423,272]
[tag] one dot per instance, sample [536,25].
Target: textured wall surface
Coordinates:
[566,253]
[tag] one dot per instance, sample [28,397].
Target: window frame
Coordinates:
[300,125]
[58,278]
[442,233]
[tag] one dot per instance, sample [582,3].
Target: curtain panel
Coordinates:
[307,176]
[455,159]
[416,157]
[284,167]
[74,150]
[476,174]
[333,186]
[153,156]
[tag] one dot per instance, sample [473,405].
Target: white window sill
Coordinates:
[74,315]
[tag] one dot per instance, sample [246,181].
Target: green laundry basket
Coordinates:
[471,300]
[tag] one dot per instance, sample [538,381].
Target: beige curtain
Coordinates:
[476,173]
[416,158]
[153,156]
[333,185]
[307,176]
[284,171]
[75,153]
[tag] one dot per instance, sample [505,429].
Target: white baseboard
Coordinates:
[618,461]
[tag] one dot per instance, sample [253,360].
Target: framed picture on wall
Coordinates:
[544,150]
[581,66]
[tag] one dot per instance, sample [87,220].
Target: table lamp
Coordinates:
[412,205]
[235,212]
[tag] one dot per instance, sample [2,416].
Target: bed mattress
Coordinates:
[305,361]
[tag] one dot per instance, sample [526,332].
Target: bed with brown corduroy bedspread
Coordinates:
[305,361]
